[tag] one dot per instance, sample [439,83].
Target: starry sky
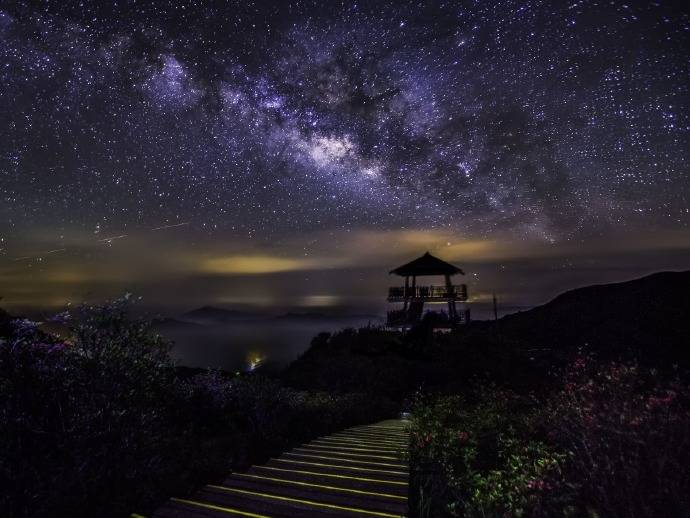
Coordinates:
[289,153]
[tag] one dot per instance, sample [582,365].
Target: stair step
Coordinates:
[367,435]
[318,492]
[346,453]
[329,467]
[356,472]
[355,447]
[261,501]
[190,508]
[255,503]
[358,442]
[394,487]
[364,463]
[379,433]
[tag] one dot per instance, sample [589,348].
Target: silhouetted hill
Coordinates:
[213,315]
[167,323]
[312,317]
[648,318]
[5,327]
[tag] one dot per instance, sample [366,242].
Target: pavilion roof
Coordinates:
[427,265]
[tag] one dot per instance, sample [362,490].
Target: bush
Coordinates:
[275,416]
[610,441]
[479,459]
[628,433]
[99,423]
[82,417]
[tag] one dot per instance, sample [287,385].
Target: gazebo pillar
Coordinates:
[452,313]
[407,292]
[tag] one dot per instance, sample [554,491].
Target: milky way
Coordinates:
[265,119]
[555,121]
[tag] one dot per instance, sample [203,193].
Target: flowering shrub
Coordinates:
[628,432]
[610,441]
[478,459]
[99,424]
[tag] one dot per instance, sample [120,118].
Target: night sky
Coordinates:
[288,154]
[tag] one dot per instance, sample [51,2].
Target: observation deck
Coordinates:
[457,292]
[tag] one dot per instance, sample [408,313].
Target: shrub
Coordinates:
[99,424]
[276,417]
[612,440]
[479,458]
[84,416]
[628,432]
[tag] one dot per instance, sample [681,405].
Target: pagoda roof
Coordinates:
[426,265]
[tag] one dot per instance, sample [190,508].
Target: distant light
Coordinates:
[255,361]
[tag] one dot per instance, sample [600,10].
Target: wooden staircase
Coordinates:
[357,472]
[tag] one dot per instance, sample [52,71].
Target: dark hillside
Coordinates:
[647,318]
[5,327]
[368,360]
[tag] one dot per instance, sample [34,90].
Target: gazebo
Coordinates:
[413,296]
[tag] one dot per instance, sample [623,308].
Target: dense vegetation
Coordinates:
[502,423]
[385,362]
[579,407]
[610,441]
[500,431]
[101,423]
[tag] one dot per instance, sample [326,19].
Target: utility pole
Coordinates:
[497,330]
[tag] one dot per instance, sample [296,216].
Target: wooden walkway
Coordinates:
[356,472]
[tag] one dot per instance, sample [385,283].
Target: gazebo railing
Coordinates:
[454,292]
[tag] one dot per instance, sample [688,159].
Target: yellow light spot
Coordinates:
[254,264]
[320,300]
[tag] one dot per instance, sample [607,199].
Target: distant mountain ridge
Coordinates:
[212,314]
[326,316]
[216,315]
[646,317]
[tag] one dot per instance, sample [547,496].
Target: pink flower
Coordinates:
[536,484]
[463,437]
[579,364]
